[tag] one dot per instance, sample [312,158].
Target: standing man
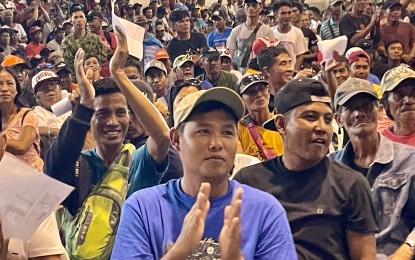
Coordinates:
[357,26]
[237,41]
[329,206]
[56,44]
[81,38]
[185,40]
[94,25]
[395,30]
[35,46]
[330,27]
[289,36]
[217,38]
[388,167]
[5,41]
[184,67]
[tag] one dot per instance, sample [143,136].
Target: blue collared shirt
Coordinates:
[393,191]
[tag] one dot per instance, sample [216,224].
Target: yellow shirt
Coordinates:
[270,139]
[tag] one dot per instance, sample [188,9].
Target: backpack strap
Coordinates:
[267,153]
[83,178]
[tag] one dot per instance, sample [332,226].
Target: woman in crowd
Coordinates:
[19,124]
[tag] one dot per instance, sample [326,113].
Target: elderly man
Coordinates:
[328,205]
[388,167]
[398,100]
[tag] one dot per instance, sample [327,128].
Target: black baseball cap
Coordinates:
[251,2]
[94,13]
[60,67]
[209,52]
[391,3]
[296,93]
[251,80]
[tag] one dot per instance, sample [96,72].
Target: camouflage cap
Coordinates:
[393,77]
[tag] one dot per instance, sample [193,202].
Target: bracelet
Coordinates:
[49,132]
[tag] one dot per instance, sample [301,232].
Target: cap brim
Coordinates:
[346,98]
[183,62]
[392,87]
[251,84]
[270,124]
[62,69]
[222,95]
[22,65]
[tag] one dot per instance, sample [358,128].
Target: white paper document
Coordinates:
[27,197]
[327,47]
[133,32]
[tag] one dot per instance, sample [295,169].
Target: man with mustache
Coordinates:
[387,166]
[328,205]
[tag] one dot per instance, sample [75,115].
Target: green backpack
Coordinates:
[91,233]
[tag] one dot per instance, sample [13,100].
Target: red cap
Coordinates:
[354,56]
[261,43]
[161,54]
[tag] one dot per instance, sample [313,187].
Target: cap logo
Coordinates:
[320,99]
[44,74]
[399,72]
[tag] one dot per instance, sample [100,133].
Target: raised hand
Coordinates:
[87,91]
[193,226]
[121,53]
[230,235]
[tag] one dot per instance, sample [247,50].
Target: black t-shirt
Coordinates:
[177,47]
[311,39]
[321,203]
[350,25]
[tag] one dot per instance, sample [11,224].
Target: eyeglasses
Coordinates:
[250,79]
[186,82]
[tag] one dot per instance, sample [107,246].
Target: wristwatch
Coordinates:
[411,243]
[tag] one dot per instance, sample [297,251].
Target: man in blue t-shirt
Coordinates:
[202,214]
[217,38]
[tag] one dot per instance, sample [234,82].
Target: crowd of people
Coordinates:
[150,143]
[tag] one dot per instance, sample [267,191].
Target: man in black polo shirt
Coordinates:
[328,205]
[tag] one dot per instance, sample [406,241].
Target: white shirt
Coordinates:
[49,119]
[45,241]
[293,41]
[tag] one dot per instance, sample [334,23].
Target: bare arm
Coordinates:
[34,17]
[147,114]
[49,257]
[23,143]
[362,246]
[45,14]
[363,33]
[48,131]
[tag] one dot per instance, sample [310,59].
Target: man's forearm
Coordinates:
[362,34]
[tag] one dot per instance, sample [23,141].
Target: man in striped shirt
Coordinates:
[330,27]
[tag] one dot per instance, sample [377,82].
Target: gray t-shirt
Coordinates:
[241,32]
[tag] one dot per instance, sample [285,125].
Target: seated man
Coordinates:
[103,108]
[398,100]
[202,213]
[253,139]
[328,205]
[388,167]
[184,67]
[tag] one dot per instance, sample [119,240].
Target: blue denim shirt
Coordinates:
[393,191]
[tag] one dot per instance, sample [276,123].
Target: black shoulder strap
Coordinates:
[107,37]
[83,178]
[331,29]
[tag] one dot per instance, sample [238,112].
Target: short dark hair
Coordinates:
[177,15]
[315,10]
[266,57]
[299,6]
[208,107]
[145,10]
[161,10]
[392,42]
[105,86]
[134,62]
[280,4]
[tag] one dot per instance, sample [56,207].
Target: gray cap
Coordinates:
[393,77]
[155,64]
[350,88]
